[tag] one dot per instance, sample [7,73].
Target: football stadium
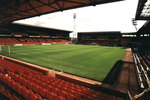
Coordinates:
[48,63]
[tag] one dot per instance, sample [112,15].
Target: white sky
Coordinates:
[115,16]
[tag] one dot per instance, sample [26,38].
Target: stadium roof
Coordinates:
[106,32]
[132,33]
[145,28]
[143,10]
[12,10]
[30,28]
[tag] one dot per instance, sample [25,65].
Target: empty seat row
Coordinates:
[42,88]
[142,68]
[36,86]
[2,70]
[14,67]
[31,40]
[20,89]
[6,92]
[7,41]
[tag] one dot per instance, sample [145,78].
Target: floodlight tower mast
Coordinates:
[74,26]
[134,22]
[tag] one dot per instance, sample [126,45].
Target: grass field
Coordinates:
[88,61]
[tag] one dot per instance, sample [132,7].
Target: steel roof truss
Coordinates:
[33,8]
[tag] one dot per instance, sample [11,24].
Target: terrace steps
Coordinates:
[127,77]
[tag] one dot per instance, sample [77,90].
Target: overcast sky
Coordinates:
[115,16]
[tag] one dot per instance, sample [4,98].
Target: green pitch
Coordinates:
[88,61]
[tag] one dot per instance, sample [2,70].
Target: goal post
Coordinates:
[0,48]
[9,49]
[5,47]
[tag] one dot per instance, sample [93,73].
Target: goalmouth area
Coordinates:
[89,61]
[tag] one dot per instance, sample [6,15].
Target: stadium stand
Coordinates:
[44,35]
[28,35]
[19,34]
[17,82]
[32,86]
[100,38]
[142,63]
[7,41]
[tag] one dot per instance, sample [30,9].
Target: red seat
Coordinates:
[19,88]
[20,74]
[59,98]
[38,82]
[20,80]
[58,86]
[9,73]
[13,97]
[98,94]
[12,75]
[32,79]
[13,83]
[1,89]
[16,77]
[38,97]
[49,88]
[30,85]
[4,79]
[71,92]
[25,93]
[44,85]
[8,82]
[85,97]
[78,94]
[24,82]
[1,75]
[2,69]
[55,90]
[62,93]
[30,91]
[33,96]
[43,92]
[93,96]
[7,94]
[51,96]
[24,76]
[70,97]
[11,70]
[36,88]
[64,89]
